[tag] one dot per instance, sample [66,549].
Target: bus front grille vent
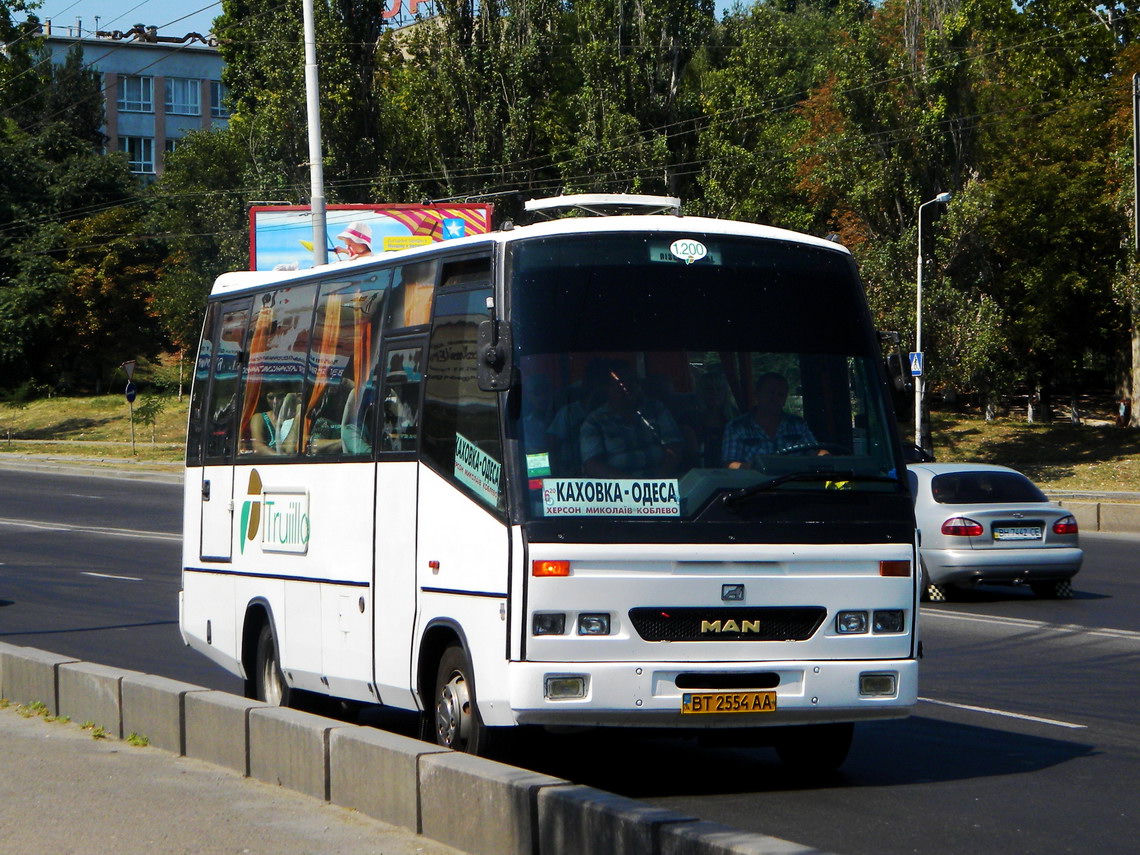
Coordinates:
[772,623]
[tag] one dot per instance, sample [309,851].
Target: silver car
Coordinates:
[991,524]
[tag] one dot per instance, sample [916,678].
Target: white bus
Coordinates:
[632,471]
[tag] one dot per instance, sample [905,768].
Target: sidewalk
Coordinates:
[63,791]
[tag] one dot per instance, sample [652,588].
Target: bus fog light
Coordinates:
[594,624]
[851,623]
[564,686]
[553,623]
[888,620]
[878,685]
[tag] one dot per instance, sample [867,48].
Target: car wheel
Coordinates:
[268,682]
[812,750]
[1060,589]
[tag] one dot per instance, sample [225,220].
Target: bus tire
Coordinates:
[812,750]
[269,683]
[454,716]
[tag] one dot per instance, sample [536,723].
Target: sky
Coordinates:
[172,17]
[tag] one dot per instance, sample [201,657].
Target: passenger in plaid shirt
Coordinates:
[766,428]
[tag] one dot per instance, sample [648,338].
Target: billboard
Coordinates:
[281,236]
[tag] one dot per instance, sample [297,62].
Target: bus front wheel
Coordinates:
[455,717]
[269,682]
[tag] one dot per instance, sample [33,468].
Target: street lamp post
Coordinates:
[921,439]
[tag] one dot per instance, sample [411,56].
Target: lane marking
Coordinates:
[1006,714]
[87,529]
[111,576]
[1023,623]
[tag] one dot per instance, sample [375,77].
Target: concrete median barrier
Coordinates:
[290,748]
[29,675]
[377,773]
[154,707]
[474,805]
[1110,517]
[456,787]
[217,729]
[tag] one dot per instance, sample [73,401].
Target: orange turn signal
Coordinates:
[550,568]
[894,568]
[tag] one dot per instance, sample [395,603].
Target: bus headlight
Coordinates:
[594,624]
[888,620]
[550,623]
[851,623]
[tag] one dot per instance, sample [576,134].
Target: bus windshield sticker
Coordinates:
[477,469]
[581,497]
[687,250]
[538,465]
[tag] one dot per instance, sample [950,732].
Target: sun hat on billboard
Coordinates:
[358,231]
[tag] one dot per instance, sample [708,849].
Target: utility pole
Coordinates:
[316,164]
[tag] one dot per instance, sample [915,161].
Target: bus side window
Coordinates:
[402,369]
[461,421]
[201,388]
[274,372]
[225,393]
[413,288]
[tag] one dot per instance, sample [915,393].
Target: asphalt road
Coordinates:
[1026,741]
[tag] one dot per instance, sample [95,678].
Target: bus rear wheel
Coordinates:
[268,682]
[456,722]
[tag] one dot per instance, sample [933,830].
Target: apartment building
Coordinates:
[158,88]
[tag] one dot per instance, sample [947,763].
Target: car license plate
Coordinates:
[1025,532]
[728,702]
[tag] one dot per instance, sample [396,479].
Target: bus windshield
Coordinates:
[662,376]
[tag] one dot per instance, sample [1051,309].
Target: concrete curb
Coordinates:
[406,783]
[1112,517]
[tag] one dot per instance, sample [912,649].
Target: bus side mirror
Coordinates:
[493,356]
[897,369]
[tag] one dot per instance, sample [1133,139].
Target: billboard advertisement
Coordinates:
[281,236]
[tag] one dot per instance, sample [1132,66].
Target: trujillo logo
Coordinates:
[279,521]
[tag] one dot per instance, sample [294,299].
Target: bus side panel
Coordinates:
[472,548]
[395,581]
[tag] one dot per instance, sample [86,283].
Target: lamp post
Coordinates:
[920,380]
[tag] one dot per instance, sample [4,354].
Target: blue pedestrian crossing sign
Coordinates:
[916,364]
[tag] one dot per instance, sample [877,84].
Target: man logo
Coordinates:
[732,593]
[251,511]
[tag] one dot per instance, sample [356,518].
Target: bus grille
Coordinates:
[774,623]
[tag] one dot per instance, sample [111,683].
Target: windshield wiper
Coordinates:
[736,497]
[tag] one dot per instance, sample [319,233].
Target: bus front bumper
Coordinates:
[646,694]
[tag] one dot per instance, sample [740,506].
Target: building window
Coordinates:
[219,94]
[172,143]
[136,94]
[140,153]
[183,96]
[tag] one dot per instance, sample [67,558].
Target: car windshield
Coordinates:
[983,488]
[650,386]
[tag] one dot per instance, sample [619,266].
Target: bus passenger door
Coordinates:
[220,421]
[400,384]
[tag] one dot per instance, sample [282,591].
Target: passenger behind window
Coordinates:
[263,425]
[288,432]
[325,420]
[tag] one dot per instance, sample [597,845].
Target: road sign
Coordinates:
[131,392]
[129,367]
[916,364]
